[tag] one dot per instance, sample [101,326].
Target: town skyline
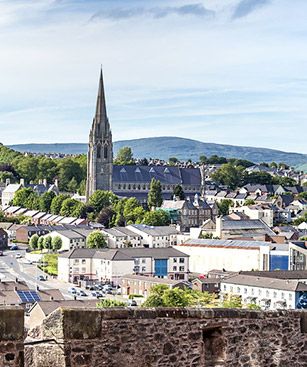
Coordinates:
[250,91]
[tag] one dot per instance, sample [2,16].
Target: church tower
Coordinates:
[100,148]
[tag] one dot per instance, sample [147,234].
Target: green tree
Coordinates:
[203,159]
[156,218]
[231,301]
[249,202]
[155,194]
[48,242]
[106,303]
[21,196]
[124,156]
[229,175]
[302,195]
[261,178]
[69,206]
[56,203]
[56,243]
[178,192]
[69,168]
[133,212]
[40,243]
[47,169]
[72,185]
[34,242]
[224,206]
[102,199]
[105,216]
[45,201]
[172,161]
[96,240]
[215,159]
[26,167]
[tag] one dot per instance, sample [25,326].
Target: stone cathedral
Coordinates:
[129,180]
[100,148]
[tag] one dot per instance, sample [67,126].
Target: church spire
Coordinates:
[101,111]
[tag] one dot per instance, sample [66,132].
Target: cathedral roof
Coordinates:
[165,174]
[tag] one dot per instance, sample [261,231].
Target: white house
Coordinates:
[258,211]
[232,255]
[268,293]
[159,236]
[8,194]
[110,264]
[120,237]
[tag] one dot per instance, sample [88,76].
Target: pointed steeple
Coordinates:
[101,111]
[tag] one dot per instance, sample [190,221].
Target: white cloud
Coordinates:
[51,53]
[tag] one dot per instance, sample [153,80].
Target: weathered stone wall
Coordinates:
[11,336]
[170,337]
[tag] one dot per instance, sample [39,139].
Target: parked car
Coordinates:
[97,294]
[81,293]
[18,256]
[72,290]
[90,287]
[132,302]
[14,247]
[41,278]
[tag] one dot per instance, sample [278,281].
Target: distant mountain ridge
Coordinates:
[166,147]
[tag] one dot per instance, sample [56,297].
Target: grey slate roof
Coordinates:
[165,174]
[156,230]
[278,274]
[123,254]
[262,282]
[225,243]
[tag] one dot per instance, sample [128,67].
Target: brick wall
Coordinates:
[11,337]
[170,337]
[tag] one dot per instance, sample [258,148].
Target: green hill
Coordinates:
[165,147]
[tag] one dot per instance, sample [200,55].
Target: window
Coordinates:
[83,261]
[174,268]
[143,268]
[181,260]
[181,268]
[225,287]
[267,293]
[290,296]
[253,291]
[105,152]
[83,270]
[259,292]
[143,261]
[238,290]
[274,294]
[282,295]
[245,290]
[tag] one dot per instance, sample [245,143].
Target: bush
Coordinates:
[105,303]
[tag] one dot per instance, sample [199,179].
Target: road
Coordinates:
[12,268]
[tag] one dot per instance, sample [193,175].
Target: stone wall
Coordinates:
[169,337]
[11,336]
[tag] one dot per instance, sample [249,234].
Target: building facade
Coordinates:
[129,180]
[100,148]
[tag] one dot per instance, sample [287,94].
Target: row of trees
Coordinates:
[234,176]
[103,206]
[48,243]
[95,240]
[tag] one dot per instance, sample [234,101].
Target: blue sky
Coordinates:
[223,71]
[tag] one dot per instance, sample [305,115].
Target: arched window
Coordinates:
[105,152]
[98,151]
